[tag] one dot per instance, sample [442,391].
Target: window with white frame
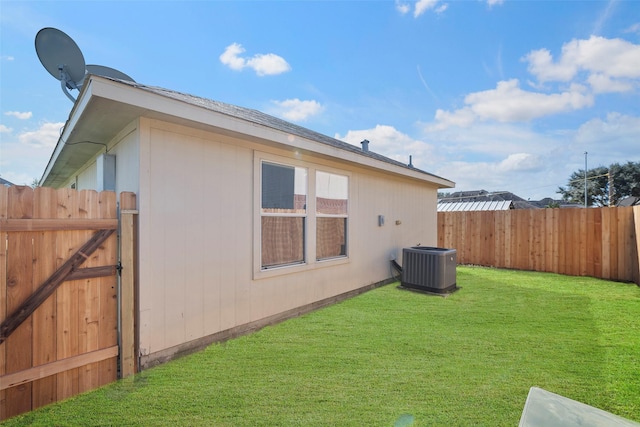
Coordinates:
[303,216]
[332,198]
[283,214]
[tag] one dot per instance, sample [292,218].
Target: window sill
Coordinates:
[299,268]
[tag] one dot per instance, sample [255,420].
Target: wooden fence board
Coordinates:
[598,242]
[35,224]
[4,194]
[67,299]
[582,238]
[44,332]
[629,242]
[47,370]
[635,237]
[613,243]
[108,331]
[605,247]
[19,346]
[508,218]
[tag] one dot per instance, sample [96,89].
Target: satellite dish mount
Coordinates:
[66,83]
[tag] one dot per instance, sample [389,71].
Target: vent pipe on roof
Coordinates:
[365,145]
[410,161]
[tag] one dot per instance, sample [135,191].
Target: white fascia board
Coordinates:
[74,116]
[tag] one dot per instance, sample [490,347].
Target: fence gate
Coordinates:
[58,295]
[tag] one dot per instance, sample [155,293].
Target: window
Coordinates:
[283,214]
[332,197]
[302,216]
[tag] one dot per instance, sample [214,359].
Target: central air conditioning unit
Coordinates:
[429,269]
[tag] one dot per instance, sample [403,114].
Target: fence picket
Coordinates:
[4,195]
[19,346]
[44,332]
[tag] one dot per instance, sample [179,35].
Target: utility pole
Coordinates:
[612,191]
[585,179]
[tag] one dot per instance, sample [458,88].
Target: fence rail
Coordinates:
[599,242]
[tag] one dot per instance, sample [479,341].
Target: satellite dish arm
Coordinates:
[66,82]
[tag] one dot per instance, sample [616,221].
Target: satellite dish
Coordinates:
[101,70]
[62,58]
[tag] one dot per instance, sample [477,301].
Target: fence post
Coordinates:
[636,221]
[127,292]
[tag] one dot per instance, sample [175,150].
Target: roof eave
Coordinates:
[104,106]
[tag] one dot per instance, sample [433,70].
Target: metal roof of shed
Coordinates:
[496,205]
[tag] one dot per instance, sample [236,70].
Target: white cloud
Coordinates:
[509,103]
[520,162]
[25,155]
[541,65]
[494,2]
[532,163]
[45,137]
[634,29]
[297,110]
[231,59]
[262,64]
[508,157]
[610,58]
[423,5]
[392,143]
[403,8]
[5,129]
[601,83]
[616,137]
[441,8]
[19,115]
[7,58]
[268,64]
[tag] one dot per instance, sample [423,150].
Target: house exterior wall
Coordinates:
[86,179]
[198,215]
[198,195]
[126,151]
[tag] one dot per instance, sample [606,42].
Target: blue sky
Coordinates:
[495,95]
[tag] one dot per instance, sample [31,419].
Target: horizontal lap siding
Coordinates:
[197,231]
[598,242]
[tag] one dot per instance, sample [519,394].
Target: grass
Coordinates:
[397,357]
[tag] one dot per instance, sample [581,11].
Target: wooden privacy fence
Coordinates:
[58,295]
[598,242]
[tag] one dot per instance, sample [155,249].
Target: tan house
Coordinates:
[244,219]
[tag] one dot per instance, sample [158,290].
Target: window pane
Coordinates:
[332,193]
[282,240]
[284,189]
[331,237]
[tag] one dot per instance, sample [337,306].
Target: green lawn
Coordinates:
[398,357]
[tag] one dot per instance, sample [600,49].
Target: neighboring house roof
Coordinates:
[5,182]
[485,196]
[105,106]
[517,202]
